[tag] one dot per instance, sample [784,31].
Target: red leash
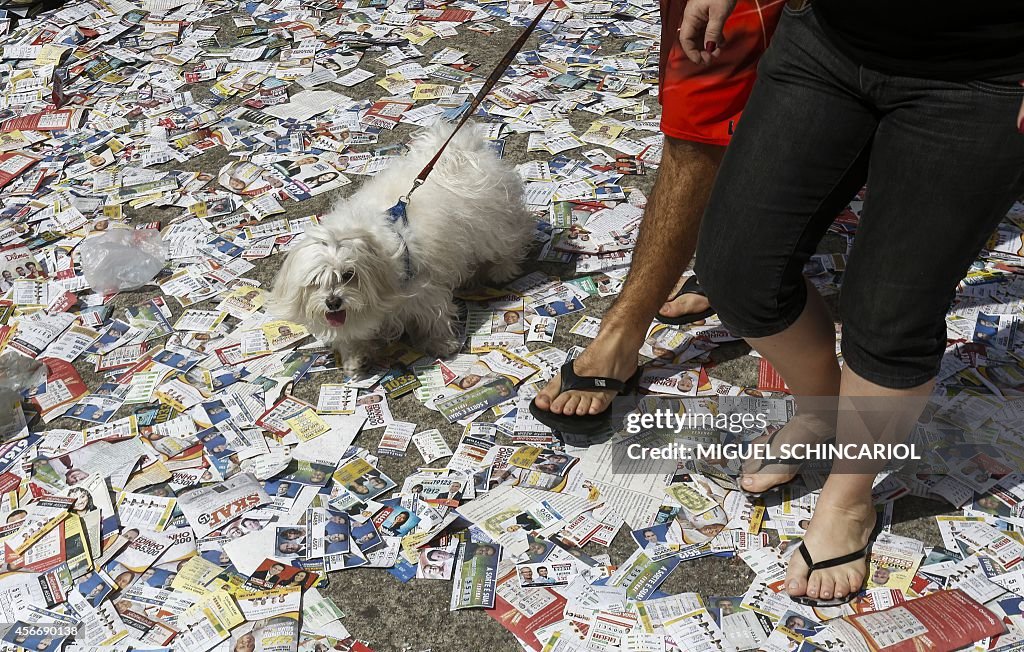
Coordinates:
[398,211]
[489,83]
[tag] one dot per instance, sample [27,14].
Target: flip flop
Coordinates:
[588,424]
[783,461]
[691,286]
[828,563]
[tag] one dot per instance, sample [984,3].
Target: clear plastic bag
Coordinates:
[122,259]
[18,372]
[11,415]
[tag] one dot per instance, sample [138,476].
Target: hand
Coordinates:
[701,34]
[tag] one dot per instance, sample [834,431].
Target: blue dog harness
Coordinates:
[399,213]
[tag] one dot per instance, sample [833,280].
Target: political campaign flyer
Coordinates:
[212,508]
[476,574]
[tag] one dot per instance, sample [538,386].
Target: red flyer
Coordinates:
[13,164]
[49,120]
[940,622]
[385,113]
[524,613]
[769,380]
[64,387]
[446,15]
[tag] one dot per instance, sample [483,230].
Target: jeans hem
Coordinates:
[869,372]
[776,327]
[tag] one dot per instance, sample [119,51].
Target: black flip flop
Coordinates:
[829,563]
[784,461]
[588,424]
[691,286]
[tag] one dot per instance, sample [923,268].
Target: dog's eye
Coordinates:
[347,276]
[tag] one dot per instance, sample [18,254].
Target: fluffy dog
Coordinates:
[360,279]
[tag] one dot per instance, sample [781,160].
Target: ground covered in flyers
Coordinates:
[187,471]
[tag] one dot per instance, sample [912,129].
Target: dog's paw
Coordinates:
[353,364]
[442,347]
[505,271]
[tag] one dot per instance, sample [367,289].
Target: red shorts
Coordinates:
[703,103]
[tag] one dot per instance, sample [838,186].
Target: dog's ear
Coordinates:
[379,269]
[288,296]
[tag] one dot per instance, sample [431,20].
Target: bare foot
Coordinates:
[606,356]
[688,304]
[835,530]
[760,476]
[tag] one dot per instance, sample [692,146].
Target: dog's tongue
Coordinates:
[336,318]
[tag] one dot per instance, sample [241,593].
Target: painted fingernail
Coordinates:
[710,46]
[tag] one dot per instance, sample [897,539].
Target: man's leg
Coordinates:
[668,236]
[701,105]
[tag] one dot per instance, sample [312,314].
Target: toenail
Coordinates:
[793,585]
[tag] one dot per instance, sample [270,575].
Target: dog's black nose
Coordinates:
[334,303]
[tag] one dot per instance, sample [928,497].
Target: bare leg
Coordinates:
[668,237]
[688,304]
[844,515]
[805,356]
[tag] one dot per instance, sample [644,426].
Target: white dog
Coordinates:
[362,278]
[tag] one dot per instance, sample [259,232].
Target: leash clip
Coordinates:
[416,183]
[403,201]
